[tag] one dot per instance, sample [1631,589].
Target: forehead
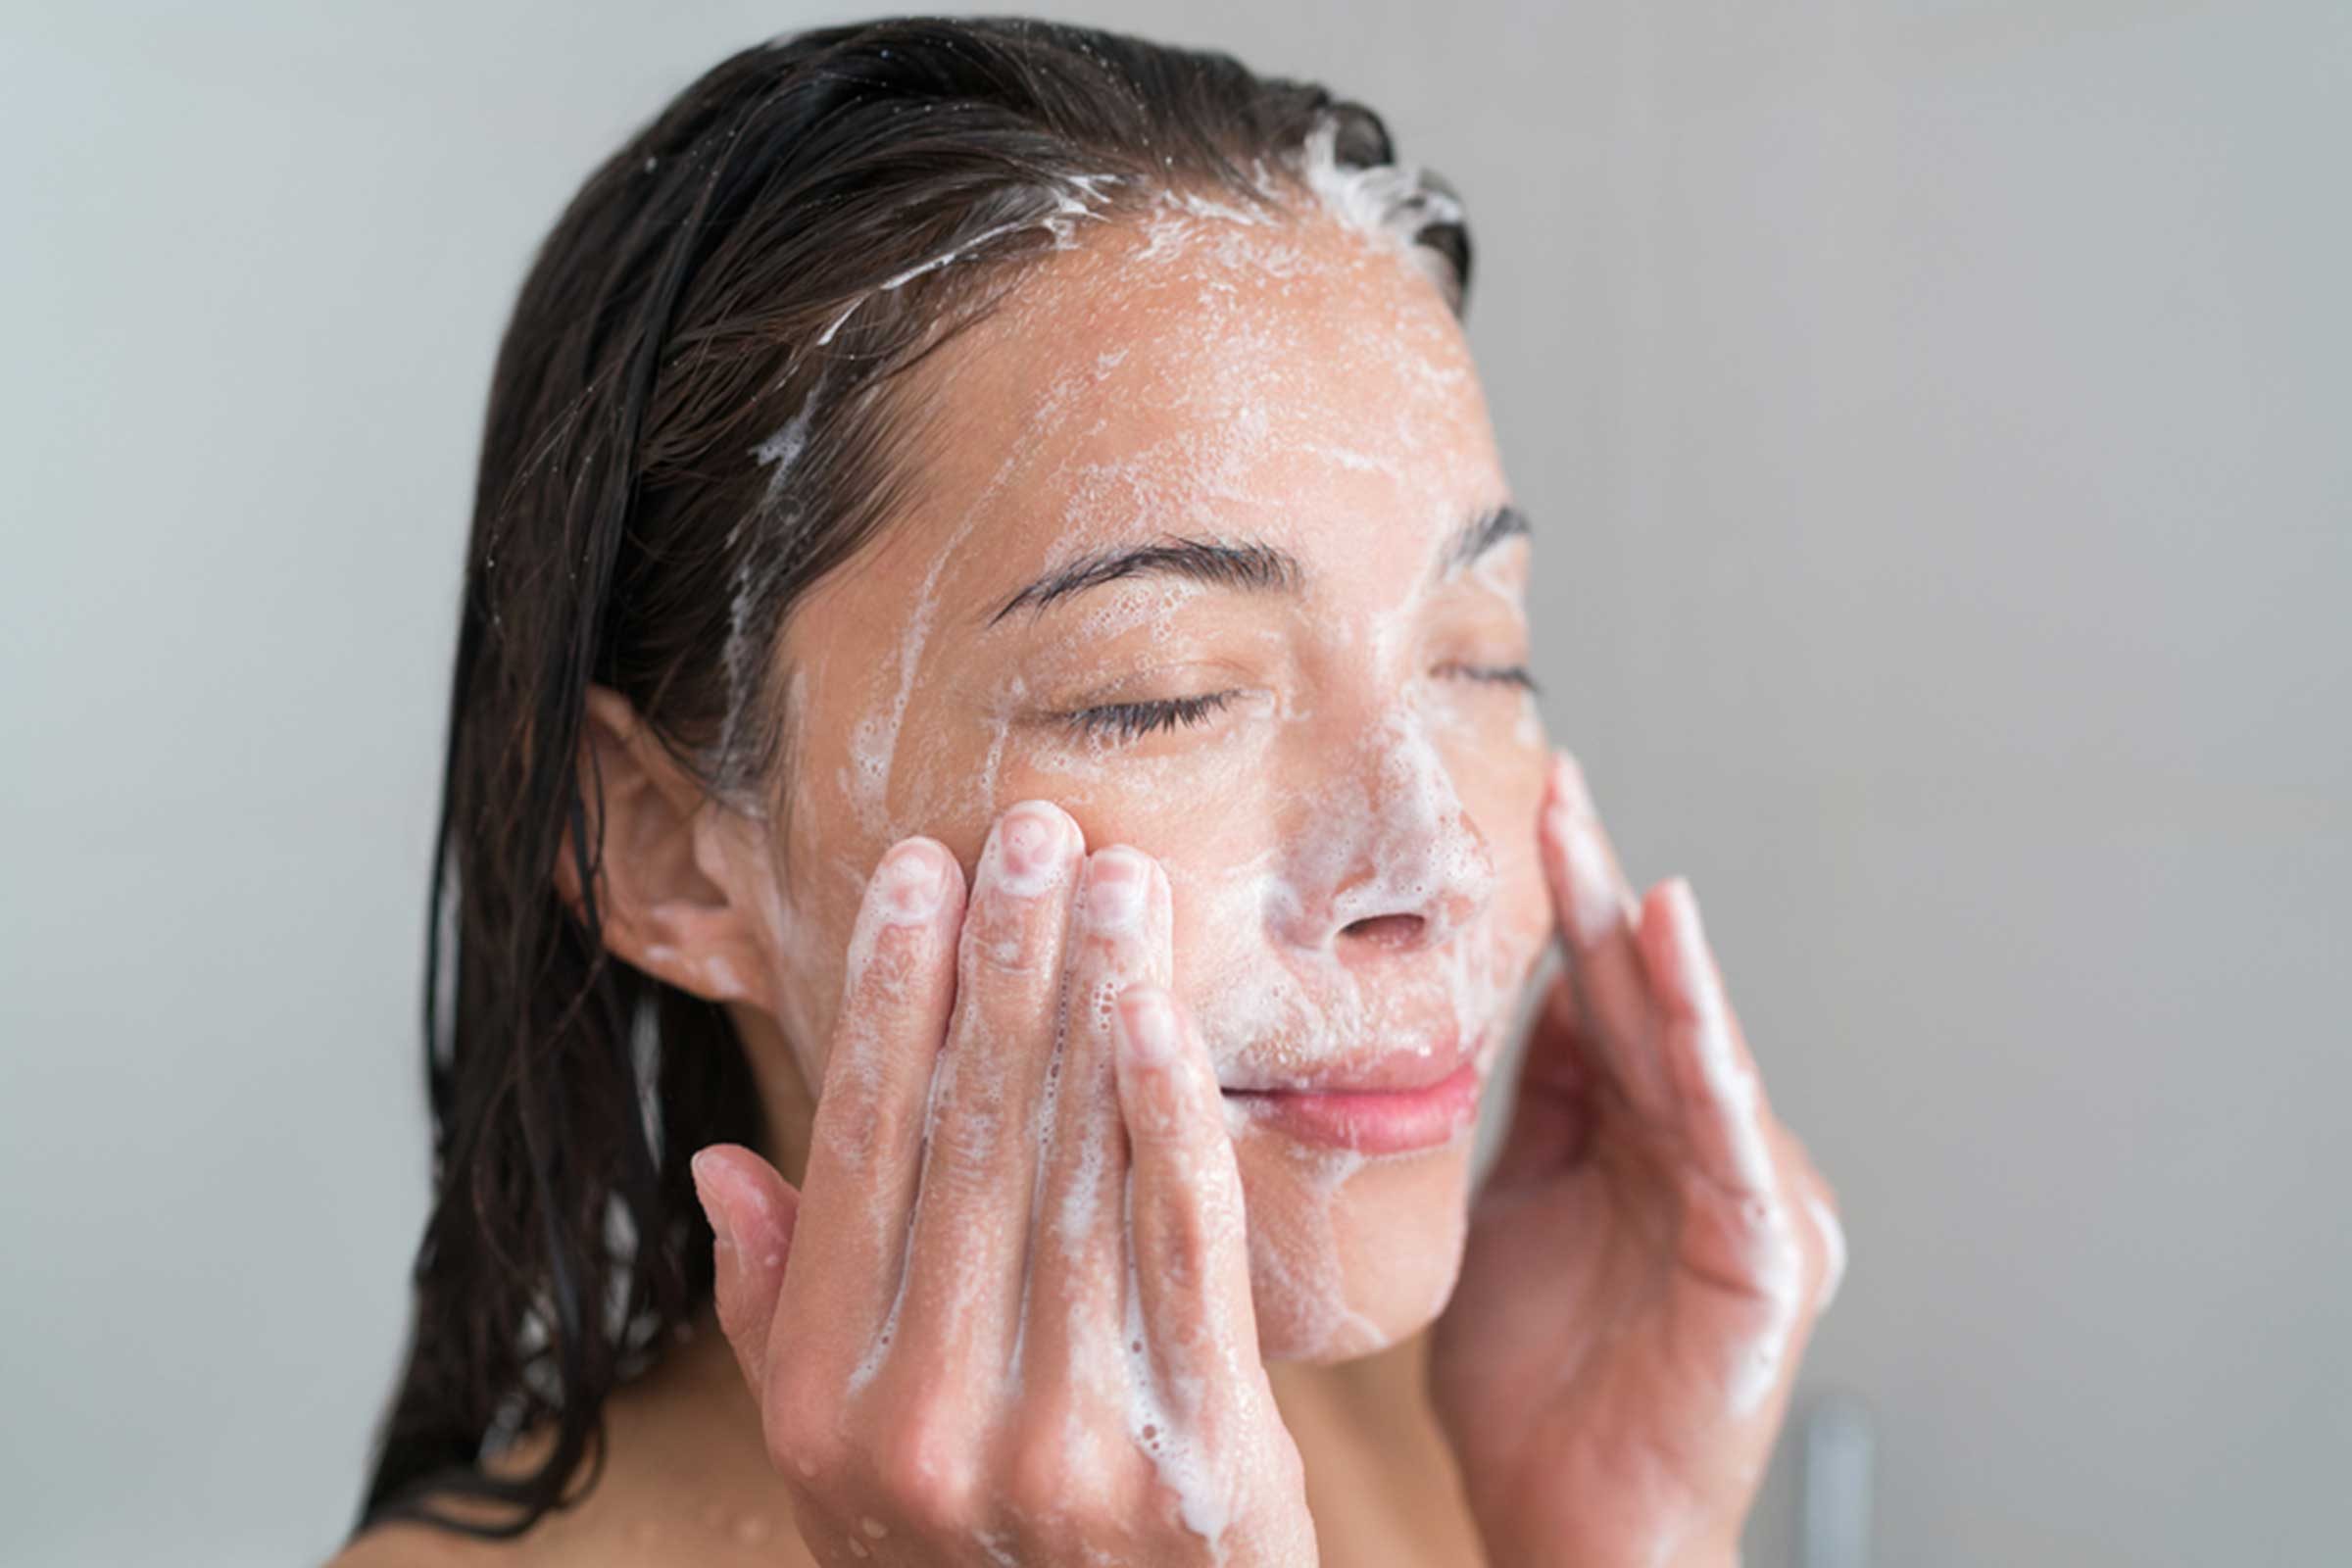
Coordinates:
[1198,373]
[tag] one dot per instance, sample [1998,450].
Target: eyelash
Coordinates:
[1131,721]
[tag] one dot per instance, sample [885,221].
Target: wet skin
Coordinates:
[1121,959]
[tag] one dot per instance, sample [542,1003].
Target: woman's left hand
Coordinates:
[1648,1254]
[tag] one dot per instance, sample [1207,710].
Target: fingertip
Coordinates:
[747,1199]
[1668,915]
[1590,901]
[1570,790]
[1032,843]
[1045,809]
[706,1168]
[915,879]
[1676,894]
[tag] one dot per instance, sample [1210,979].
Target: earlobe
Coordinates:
[666,895]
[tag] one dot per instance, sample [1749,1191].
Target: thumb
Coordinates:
[752,1210]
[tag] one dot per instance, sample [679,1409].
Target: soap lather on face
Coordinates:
[1345,809]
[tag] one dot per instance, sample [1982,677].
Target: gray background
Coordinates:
[1935,415]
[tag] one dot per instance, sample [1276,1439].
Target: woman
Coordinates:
[994,828]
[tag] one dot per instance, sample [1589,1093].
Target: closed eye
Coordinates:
[1518,676]
[1131,721]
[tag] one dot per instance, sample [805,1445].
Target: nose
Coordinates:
[1414,888]
[1387,858]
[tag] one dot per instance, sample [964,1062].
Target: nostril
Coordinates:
[1386,930]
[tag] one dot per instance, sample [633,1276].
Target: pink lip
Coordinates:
[1373,1121]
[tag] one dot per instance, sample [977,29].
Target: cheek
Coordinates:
[1499,764]
[821,860]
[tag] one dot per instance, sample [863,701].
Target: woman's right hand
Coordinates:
[1009,1321]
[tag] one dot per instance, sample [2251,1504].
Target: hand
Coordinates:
[1647,1256]
[1010,1318]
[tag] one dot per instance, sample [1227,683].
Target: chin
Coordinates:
[1350,1253]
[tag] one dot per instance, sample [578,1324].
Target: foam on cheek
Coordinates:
[794,940]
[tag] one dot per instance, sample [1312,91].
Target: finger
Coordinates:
[867,1137]
[752,1210]
[1186,1241]
[1832,1231]
[971,1227]
[1598,920]
[1077,1268]
[1553,1108]
[1714,1077]
[1738,1228]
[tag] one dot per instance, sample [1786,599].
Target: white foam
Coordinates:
[1162,1421]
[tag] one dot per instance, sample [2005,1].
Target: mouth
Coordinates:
[1405,1100]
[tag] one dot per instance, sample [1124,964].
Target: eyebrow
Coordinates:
[1480,534]
[1247,565]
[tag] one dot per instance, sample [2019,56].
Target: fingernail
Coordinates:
[1033,844]
[704,1167]
[1149,1027]
[914,879]
[1115,882]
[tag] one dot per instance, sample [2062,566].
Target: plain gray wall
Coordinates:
[1936,417]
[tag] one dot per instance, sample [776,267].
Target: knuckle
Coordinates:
[1034,1488]
[1008,937]
[803,1439]
[887,974]
[1183,1248]
[1062,1470]
[928,1468]
[860,1118]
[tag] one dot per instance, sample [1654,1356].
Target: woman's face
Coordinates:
[1343,794]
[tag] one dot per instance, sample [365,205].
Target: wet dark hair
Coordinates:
[693,419]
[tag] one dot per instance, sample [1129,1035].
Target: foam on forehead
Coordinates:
[1239,377]
[1239,320]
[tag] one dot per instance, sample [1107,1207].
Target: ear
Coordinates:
[674,867]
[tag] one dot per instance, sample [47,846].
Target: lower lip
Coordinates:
[1372,1122]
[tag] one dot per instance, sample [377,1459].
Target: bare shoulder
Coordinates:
[413,1545]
